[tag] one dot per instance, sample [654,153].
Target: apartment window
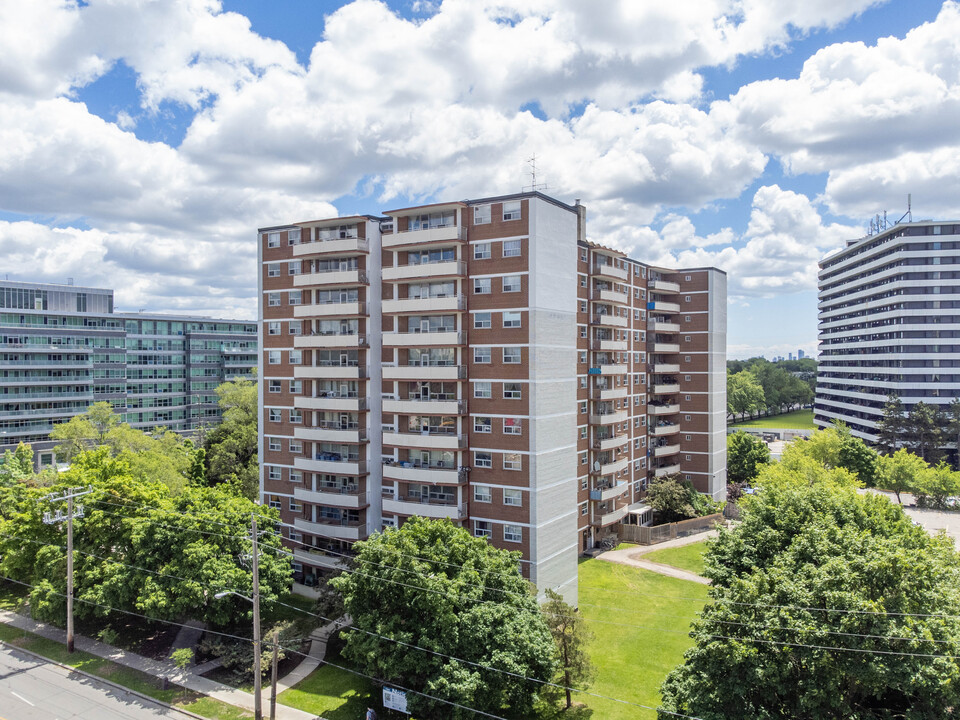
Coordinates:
[273,328]
[583,408]
[273,240]
[511,283]
[482,425]
[295,327]
[583,381]
[295,477]
[686,318]
[511,356]
[483,460]
[686,418]
[481,214]
[583,483]
[481,355]
[583,357]
[481,251]
[686,378]
[583,281]
[583,331]
[483,390]
[511,319]
[511,248]
[295,506]
[686,398]
[583,306]
[296,386]
[583,458]
[687,278]
[296,417]
[512,426]
[686,358]
[512,497]
[687,437]
[273,357]
[511,210]
[687,459]
[583,433]
[295,297]
[275,415]
[583,509]
[481,528]
[686,298]
[293,267]
[481,286]
[512,391]
[296,447]
[512,533]
[636,271]
[275,445]
[583,255]
[482,493]
[686,338]
[273,473]
[293,236]
[511,461]
[636,422]
[636,400]
[296,357]
[273,502]
[273,270]
[481,320]
[273,386]
[273,299]
[636,314]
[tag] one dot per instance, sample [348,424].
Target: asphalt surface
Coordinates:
[32,689]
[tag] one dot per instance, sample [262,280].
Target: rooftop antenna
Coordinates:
[534,186]
[909,212]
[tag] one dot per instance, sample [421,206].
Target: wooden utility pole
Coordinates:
[257,709]
[49,519]
[273,675]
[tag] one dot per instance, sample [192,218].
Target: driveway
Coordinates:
[932,521]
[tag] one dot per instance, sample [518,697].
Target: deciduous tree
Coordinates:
[745,455]
[900,472]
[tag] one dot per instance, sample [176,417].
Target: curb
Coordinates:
[97,678]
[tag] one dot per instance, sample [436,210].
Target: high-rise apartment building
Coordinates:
[889,317]
[62,347]
[481,361]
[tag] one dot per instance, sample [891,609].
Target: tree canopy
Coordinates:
[744,394]
[459,596]
[746,454]
[825,603]
[231,448]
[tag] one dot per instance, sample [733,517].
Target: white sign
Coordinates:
[394,699]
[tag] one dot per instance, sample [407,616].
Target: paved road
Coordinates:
[32,689]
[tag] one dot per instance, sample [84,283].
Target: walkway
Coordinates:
[188,679]
[633,556]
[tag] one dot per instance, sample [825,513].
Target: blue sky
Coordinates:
[142,142]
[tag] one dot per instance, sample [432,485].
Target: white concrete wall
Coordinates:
[374,376]
[553,398]
[717,382]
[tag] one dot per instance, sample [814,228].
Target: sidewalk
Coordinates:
[633,557]
[165,668]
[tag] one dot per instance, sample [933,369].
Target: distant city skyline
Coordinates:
[142,144]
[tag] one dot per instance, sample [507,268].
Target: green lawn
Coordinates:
[633,658]
[686,557]
[333,693]
[796,420]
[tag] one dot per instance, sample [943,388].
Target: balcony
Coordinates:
[335,432]
[315,557]
[664,286]
[667,470]
[609,369]
[425,507]
[338,529]
[660,368]
[661,306]
[450,268]
[354,466]
[663,430]
[610,443]
[333,340]
[610,320]
[408,472]
[670,409]
[334,309]
[416,406]
[614,466]
[666,450]
[422,339]
[444,233]
[438,441]
[609,393]
[448,303]
[338,246]
[611,296]
[666,389]
[609,271]
[608,345]
[608,418]
[329,372]
[666,347]
[604,494]
[611,517]
[424,372]
[665,327]
[331,277]
[335,497]
[342,403]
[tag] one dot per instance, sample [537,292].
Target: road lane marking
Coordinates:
[21,697]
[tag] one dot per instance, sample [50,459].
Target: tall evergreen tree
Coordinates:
[892,428]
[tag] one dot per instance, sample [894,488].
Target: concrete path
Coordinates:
[188,637]
[318,649]
[157,668]
[633,556]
